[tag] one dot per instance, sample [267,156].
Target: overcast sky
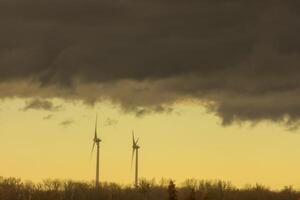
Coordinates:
[240,57]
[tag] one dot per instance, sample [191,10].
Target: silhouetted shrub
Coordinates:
[192,195]
[172,191]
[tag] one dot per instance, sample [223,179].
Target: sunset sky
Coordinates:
[211,88]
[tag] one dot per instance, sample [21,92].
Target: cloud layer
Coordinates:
[239,58]
[38,104]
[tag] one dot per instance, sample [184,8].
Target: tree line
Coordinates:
[15,189]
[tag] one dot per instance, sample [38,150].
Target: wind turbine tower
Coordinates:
[135,149]
[96,141]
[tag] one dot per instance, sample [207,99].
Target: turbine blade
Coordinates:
[133,150]
[92,150]
[133,140]
[96,126]
[136,142]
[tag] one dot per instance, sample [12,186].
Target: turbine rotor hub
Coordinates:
[97,140]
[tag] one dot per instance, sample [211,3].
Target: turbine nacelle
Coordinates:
[97,140]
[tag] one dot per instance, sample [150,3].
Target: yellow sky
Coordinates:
[189,143]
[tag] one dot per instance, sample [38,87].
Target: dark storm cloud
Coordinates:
[238,58]
[38,104]
[110,122]
[66,123]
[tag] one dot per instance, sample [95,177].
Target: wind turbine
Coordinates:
[135,149]
[96,141]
